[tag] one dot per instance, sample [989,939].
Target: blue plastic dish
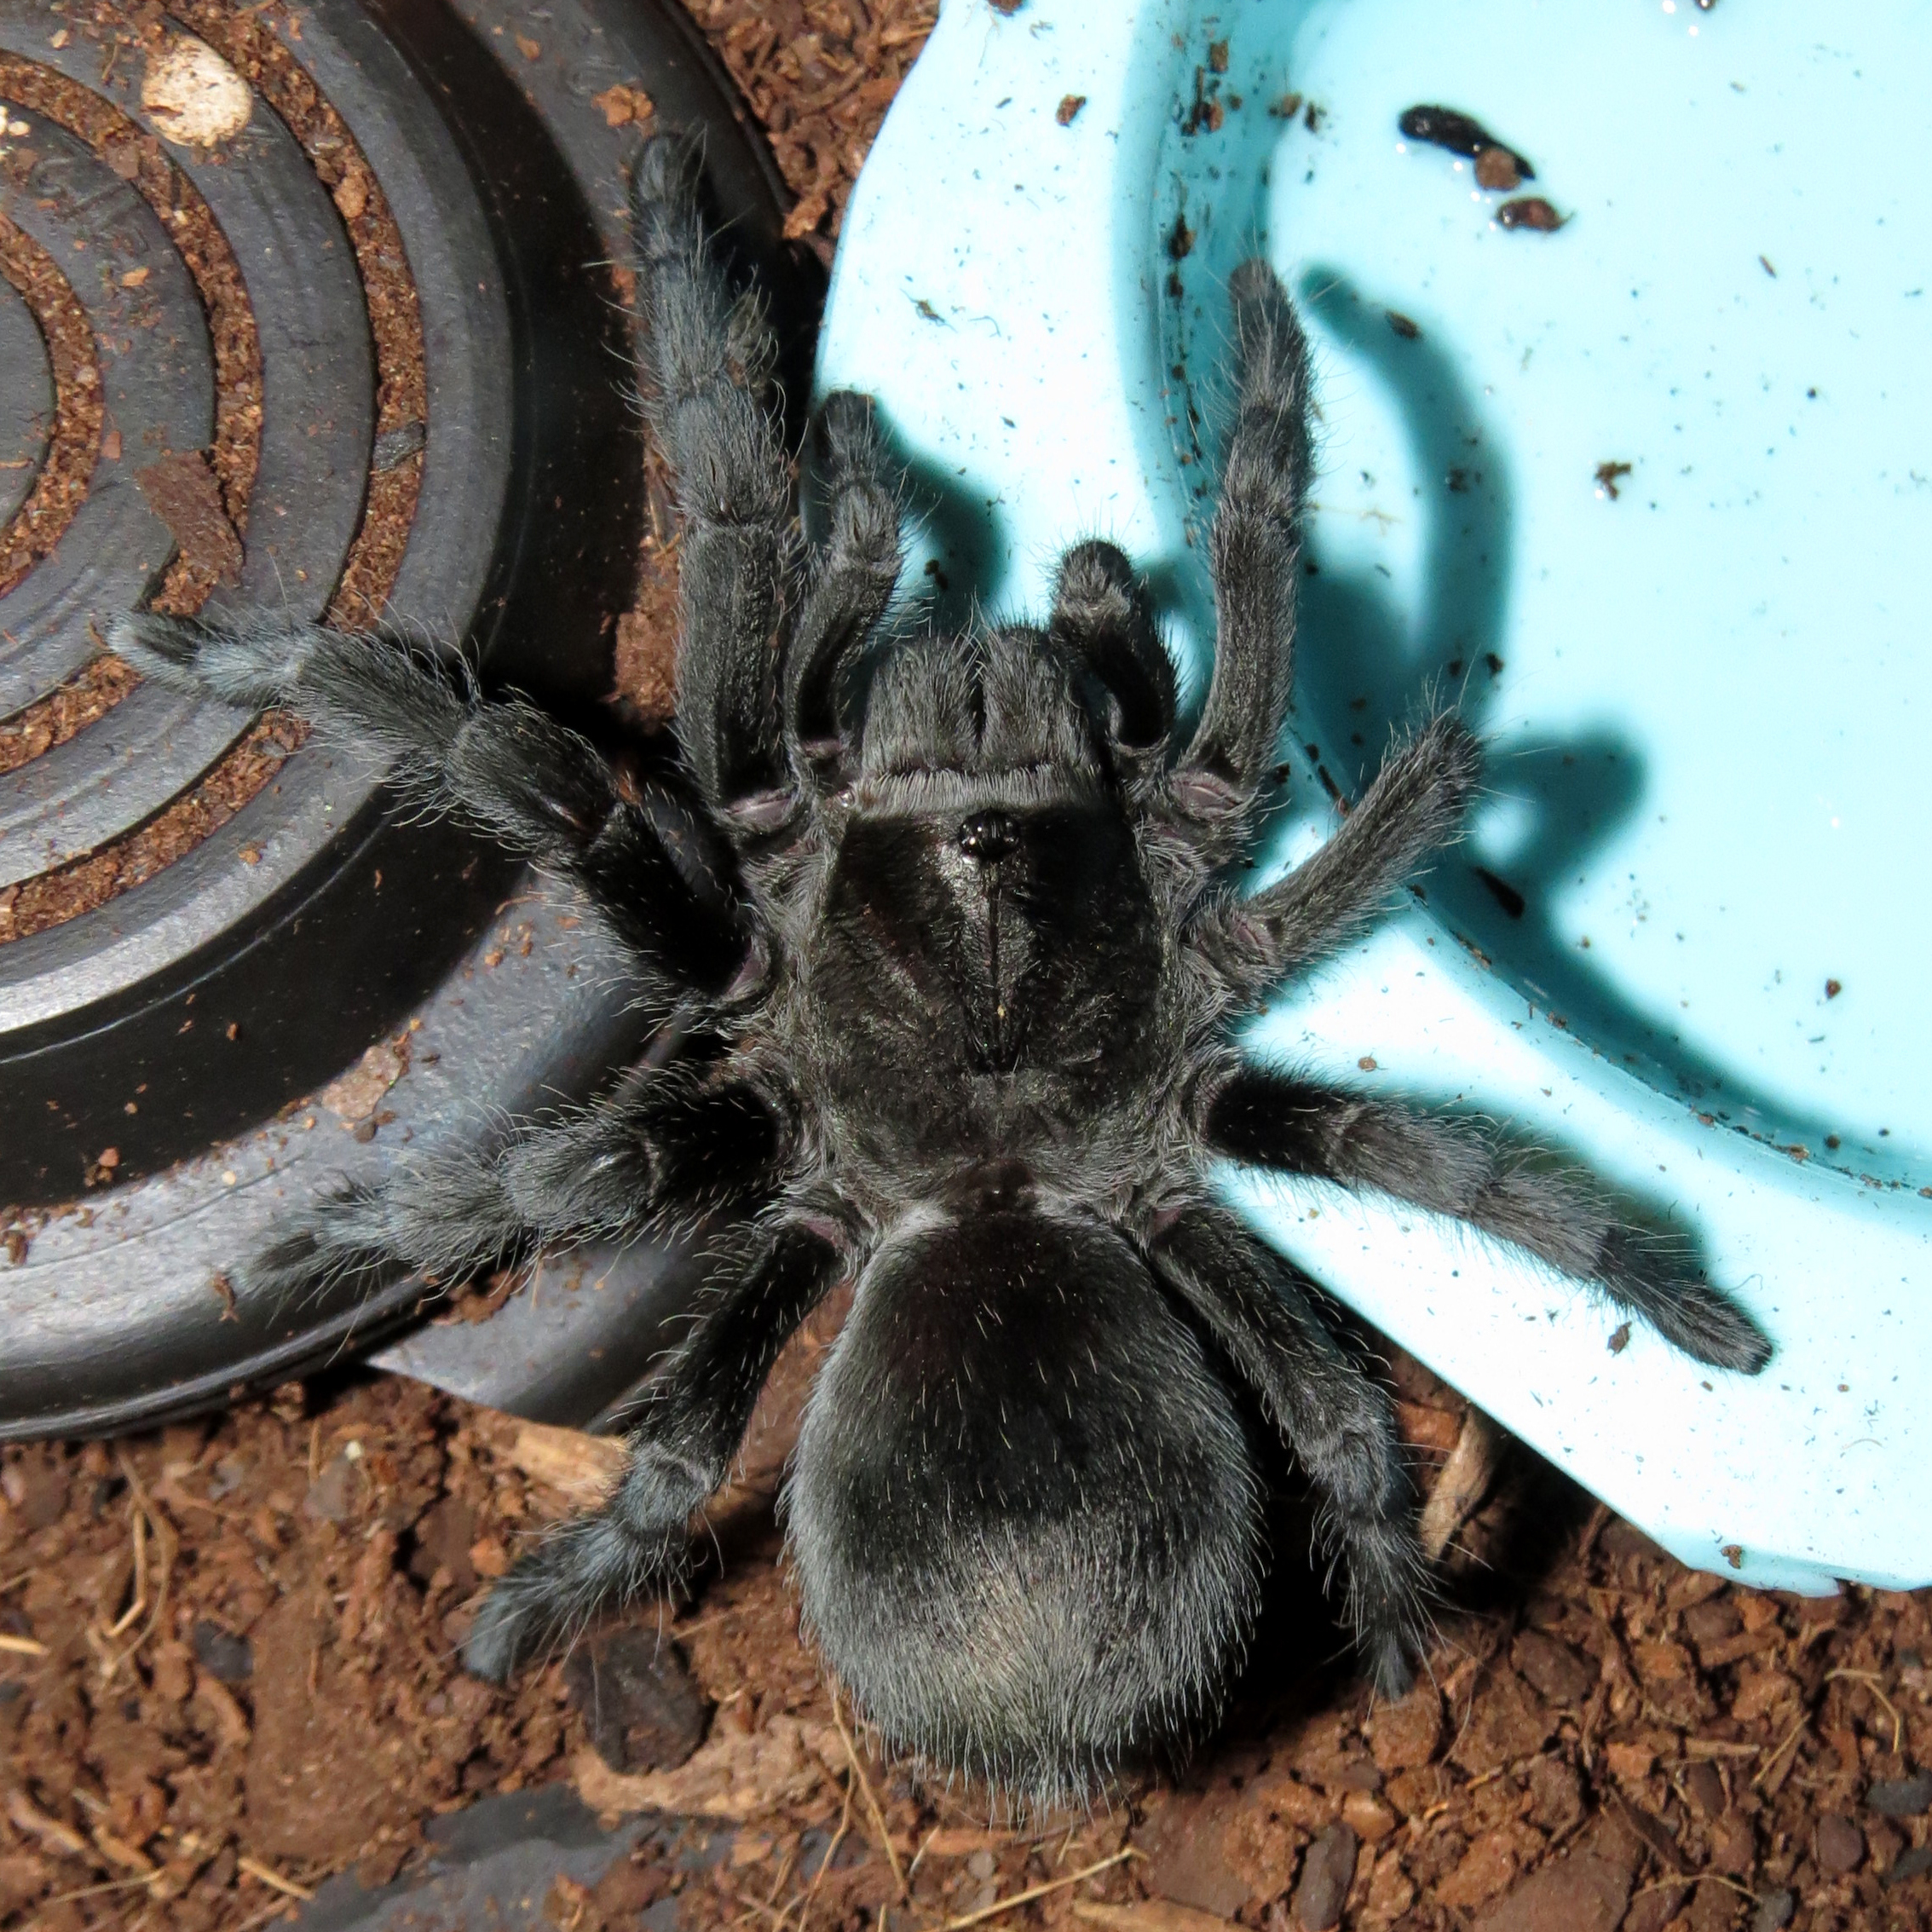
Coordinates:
[1652,493]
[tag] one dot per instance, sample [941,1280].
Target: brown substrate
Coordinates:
[60,489]
[90,695]
[230,1650]
[819,75]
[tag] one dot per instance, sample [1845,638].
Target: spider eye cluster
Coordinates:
[987,837]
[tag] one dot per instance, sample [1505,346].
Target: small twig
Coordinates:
[21,1647]
[1598,1517]
[824,1863]
[137,1596]
[1671,1882]
[1683,1881]
[275,1910]
[1874,1683]
[1791,1737]
[682,1631]
[180,1499]
[925,1846]
[111,1885]
[1039,1891]
[19,1577]
[31,1818]
[1736,1885]
[871,1802]
[268,1876]
[164,1534]
[753,1909]
[784,1872]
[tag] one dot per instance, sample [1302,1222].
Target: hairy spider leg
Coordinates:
[695,1412]
[531,784]
[1256,556]
[1457,1168]
[853,579]
[1414,805]
[660,1146]
[709,356]
[1104,619]
[1334,1415]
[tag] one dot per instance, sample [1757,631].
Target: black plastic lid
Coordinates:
[177,1026]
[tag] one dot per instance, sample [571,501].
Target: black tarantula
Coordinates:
[952,941]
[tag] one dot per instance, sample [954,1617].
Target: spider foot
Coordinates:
[1388,1602]
[1702,1323]
[591,1565]
[308,1261]
[1685,1311]
[254,661]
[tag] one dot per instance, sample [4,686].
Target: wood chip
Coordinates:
[732,1777]
[584,1468]
[1147,1915]
[31,1818]
[355,1095]
[192,95]
[230,1721]
[182,491]
[1464,1482]
[272,1878]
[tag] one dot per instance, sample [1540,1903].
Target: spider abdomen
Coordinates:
[1024,1516]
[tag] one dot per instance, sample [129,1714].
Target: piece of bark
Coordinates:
[584,1468]
[182,491]
[1149,1915]
[734,1776]
[641,1708]
[1464,1482]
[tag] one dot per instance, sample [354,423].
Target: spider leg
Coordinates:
[668,1148]
[1339,1423]
[1102,617]
[708,358]
[1255,553]
[696,1409]
[854,576]
[1453,1167]
[1414,805]
[509,768]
